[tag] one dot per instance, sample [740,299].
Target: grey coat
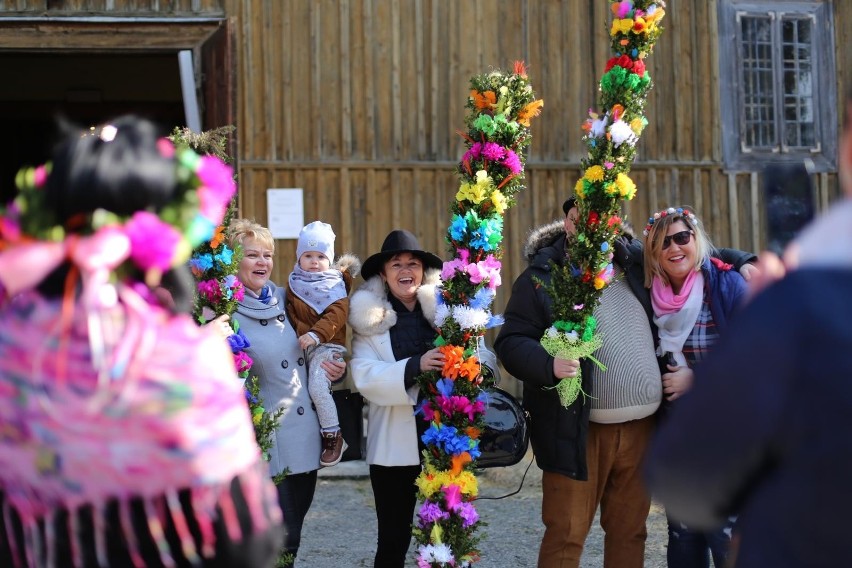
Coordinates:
[279,365]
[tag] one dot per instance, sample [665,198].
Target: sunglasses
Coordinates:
[680,239]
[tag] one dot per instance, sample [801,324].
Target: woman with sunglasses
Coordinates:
[693,296]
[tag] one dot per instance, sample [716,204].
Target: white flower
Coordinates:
[442,312]
[551,332]
[470,318]
[572,336]
[621,132]
[443,554]
[207,313]
[598,128]
[504,90]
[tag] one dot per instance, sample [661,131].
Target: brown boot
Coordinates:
[333,446]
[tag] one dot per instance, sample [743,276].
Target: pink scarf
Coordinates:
[663,298]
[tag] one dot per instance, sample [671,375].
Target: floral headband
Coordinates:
[153,242]
[680,211]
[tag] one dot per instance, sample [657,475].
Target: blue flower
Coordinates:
[225,256]
[604,246]
[482,299]
[445,387]
[201,262]
[238,341]
[458,228]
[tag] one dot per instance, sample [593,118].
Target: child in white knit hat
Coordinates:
[318,306]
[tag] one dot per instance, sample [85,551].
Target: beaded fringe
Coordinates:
[40,539]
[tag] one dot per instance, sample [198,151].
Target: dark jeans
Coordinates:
[693,549]
[396,496]
[295,495]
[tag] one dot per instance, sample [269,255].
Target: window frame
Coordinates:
[738,158]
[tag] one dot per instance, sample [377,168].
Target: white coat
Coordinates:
[391,427]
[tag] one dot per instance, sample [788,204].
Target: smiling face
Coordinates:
[256,265]
[314,261]
[677,261]
[403,274]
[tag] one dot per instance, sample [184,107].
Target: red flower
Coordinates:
[593,218]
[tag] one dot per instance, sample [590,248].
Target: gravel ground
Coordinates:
[340,530]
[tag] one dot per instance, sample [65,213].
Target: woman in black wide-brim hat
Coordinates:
[392,317]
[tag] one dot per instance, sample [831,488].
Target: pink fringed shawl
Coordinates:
[149,406]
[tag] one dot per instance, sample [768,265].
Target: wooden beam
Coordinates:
[113,36]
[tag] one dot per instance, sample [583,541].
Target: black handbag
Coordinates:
[350,407]
[506,436]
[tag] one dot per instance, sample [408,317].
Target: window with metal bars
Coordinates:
[778,86]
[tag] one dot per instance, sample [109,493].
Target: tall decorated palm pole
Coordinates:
[611,134]
[491,173]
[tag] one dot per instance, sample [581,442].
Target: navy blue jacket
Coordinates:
[765,429]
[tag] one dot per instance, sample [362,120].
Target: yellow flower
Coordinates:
[437,535]
[626,187]
[621,26]
[499,201]
[594,173]
[599,283]
[467,482]
[470,192]
[611,189]
[637,125]
[580,189]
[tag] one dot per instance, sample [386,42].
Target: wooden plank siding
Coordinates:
[358,103]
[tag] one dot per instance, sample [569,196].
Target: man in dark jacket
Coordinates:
[591,453]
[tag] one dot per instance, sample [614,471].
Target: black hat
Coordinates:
[396,242]
[569,203]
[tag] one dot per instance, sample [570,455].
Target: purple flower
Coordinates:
[238,342]
[467,513]
[431,512]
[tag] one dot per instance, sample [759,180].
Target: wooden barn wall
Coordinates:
[114,7]
[358,103]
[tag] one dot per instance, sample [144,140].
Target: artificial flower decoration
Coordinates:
[610,135]
[214,266]
[491,173]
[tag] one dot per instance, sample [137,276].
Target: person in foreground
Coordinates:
[763,432]
[592,452]
[694,297]
[279,364]
[125,439]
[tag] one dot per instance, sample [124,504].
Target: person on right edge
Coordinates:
[592,452]
[770,408]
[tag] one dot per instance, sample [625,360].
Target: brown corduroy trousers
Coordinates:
[614,453]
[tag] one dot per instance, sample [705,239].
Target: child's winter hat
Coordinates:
[316,236]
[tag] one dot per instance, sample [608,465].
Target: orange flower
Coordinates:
[529,111]
[218,237]
[520,68]
[472,432]
[459,462]
[453,359]
[470,368]
[484,101]
[617,111]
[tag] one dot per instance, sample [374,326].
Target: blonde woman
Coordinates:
[693,296]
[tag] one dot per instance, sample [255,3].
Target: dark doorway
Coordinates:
[84,88]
